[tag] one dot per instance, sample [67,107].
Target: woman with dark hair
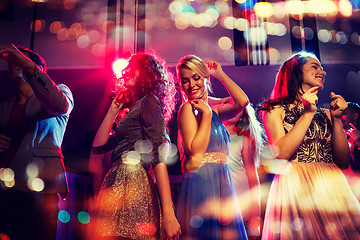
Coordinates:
[128,205]
[309,197]
[207,204]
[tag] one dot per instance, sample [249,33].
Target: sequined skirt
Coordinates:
[127,205]
[311,201]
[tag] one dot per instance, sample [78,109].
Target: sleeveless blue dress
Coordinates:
[207,205]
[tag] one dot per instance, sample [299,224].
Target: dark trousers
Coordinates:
[28,215]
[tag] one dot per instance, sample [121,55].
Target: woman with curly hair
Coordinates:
[128,204]
[309,197]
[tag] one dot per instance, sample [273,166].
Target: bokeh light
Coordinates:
[131,158]
[56,26]
[274,55]
[324,35]
[355,38]
[168,153]
[64,216]
[264,9]
[143,146]
[147,229]
[84,217]
[225,43]
[32,170]
[108,26]
[295,7]
[36,184]
[83,41]
[62,34]
[118,66]
[98,49]
[297,224]
[223,6]
[277,166]
[341,37]
[196,221]
[69,4]
[345,8]
[39,25]
[7,174]
[229,22]
[241,24]
[213,12]
[308,33]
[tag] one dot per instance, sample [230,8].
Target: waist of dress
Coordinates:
[214,157]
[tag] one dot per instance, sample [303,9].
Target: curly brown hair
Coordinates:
[154,77]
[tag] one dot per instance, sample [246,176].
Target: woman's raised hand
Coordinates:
[310,100]
[215,68]
[201,106]
[337,105]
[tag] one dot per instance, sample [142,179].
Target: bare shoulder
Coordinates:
[276,112]
[184,108]
[185,112]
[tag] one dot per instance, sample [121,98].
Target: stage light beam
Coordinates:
[118,66]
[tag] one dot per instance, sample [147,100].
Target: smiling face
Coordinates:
[313,74]
[193,84]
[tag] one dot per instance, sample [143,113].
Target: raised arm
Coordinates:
[240,100]
[103,133]
[285,145]
[57,101]
[195,130]
[340,146]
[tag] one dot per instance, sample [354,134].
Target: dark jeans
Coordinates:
[28,215]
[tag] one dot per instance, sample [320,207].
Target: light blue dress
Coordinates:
[207,205]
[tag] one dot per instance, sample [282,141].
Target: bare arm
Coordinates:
[103,133]
[170,223]
[340,146]
[240,100]
[56,101]
[285,145]
[195,133]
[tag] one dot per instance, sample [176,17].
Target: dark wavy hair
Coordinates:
[35,57]
[154,77]
[288,84]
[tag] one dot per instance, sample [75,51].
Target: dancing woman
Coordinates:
[309,197]
[207,205]
[128,205]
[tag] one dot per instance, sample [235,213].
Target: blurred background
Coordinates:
[81,39]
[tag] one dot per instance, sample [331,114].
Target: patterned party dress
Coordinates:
[309,197]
